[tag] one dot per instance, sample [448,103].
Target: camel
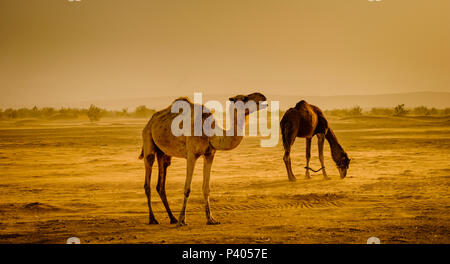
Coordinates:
[306,121]
[159,141]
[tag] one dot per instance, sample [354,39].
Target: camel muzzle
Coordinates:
[342,172]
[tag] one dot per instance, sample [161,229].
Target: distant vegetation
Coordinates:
[94,113]
[399,110]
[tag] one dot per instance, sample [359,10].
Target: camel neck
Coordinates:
[237,122]
[331,137]
[336,148]
[233,136]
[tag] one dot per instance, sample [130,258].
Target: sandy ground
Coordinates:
[64,179]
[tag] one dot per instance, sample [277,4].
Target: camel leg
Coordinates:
[191,159]
[148,162]
[148,154]
[287,162]
[207,163]
[163,163]
[320,142]
[308,157]
[288,141]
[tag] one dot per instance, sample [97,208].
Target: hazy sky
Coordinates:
[61,51]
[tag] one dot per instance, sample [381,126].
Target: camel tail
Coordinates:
[142,154]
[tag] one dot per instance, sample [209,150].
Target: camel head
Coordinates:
[342,164]
[258,98]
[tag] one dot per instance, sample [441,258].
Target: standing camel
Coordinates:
[306,121]
[159,141]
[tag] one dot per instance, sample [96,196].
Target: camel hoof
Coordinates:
[181,223]
[153,222]
[308,177]
[173,221]
[212,222]
[327,178]
[292,179]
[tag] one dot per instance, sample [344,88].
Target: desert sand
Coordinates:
[74,178]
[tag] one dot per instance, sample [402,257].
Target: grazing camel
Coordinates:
[305,120]
[159,141]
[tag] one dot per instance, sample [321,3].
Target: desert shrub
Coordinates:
[24,113]
[434,111]
[27,113]
[381,111]
[107,113]
[421,110]
[94,113]
[36,112]
[124,112]
[337,112]
[400,110]
[355,111]
[143,111]
[10,113]
[48,112]
[66,113]
[115,114]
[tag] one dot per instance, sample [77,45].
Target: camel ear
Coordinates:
[231,99]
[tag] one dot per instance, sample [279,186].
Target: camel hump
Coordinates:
[183,98]
[301,104]
[322,124]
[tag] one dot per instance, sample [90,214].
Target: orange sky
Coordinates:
[60,51]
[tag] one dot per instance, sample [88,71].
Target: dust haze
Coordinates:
[80,80]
